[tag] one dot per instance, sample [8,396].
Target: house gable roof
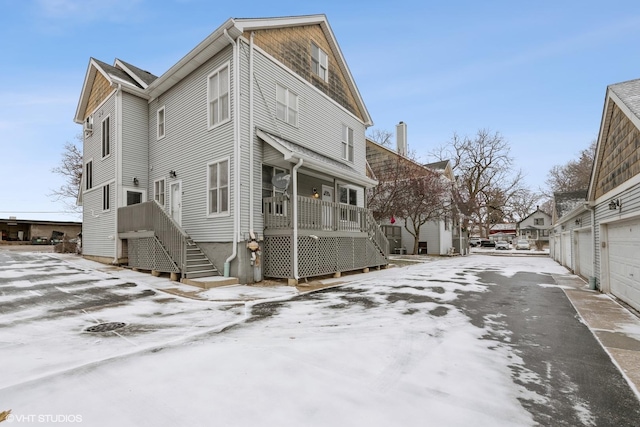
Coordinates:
[142,77]
[101,71]
[612,167]
[538,210]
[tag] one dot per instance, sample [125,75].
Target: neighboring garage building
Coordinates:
[23,230]
[614,194]
[571,241]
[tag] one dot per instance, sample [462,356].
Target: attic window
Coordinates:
[319,62]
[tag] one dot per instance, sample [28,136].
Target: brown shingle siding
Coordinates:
[99,92]
[620,160]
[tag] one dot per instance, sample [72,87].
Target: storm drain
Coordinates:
[106,327]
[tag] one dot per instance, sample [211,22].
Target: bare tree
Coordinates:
[573,175]
[71,170]
[487,184]
[410,192]
[380,136]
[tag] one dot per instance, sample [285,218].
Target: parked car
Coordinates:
[523,244]
[502,245]
[486,243]
[474,241]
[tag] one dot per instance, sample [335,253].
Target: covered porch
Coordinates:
[306,237]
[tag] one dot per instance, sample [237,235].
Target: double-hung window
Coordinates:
[347,143]
[158,191]
[106,137]
[286,105]
[319,62]
[218,103]
[218,187]
[161,120]
[106,197]
[88,175]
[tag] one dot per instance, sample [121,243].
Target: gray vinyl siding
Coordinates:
[319,127]
[188,146]
[320,119]
[134,141]
[630,201]
[98,225]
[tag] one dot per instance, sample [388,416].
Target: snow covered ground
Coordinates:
[387,348]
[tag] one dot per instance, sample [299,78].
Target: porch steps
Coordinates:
[211,281]
[198,265]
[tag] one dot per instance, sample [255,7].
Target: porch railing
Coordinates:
[319,215]
[149,216]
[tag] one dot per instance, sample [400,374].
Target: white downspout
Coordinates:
[294,177]
[251,137]
[118,171]
[236,154]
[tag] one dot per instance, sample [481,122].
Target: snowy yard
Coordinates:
[387,348]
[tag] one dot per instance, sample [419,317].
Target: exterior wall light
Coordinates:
[614,204]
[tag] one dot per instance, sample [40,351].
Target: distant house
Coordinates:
[535,226]
[245,159]
[506,232]
[436,237]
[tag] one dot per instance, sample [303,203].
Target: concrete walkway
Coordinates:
[614,326]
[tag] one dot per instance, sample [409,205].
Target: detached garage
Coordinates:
[622,263]
[614,192]
[583,252]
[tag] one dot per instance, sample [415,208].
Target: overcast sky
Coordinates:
[536,72]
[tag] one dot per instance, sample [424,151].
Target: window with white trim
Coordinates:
[319,62]
[348,196]
[286,105]
[347,143]
[158,191]
[160,121]
[218,187]
[538,221]
[106,197]
[88,175]
[106,137]
[218,103]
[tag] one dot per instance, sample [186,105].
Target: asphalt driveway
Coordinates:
[478,340]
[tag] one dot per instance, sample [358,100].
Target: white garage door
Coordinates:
[565,242]
[584,253]
[624,261]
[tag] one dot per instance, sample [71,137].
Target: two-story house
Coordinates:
[535,226]
[247,156]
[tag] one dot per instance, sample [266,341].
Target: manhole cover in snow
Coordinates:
[106,327]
